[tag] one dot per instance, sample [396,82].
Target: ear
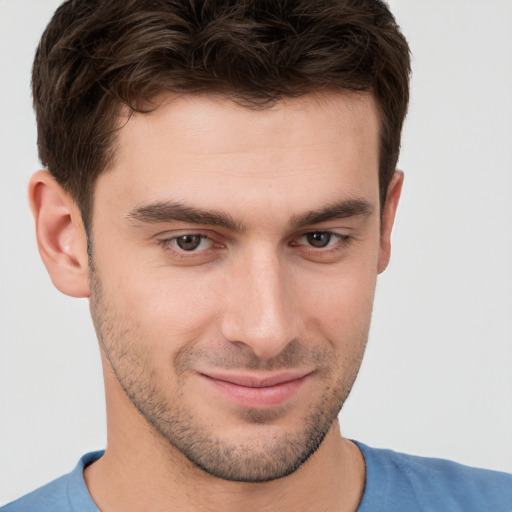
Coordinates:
[60,233]
[388,218]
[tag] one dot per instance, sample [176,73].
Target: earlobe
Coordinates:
[60,233]
[388,218]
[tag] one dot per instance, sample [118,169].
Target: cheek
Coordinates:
[162,308]
[340,305]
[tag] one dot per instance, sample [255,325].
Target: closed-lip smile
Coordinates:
[257,391]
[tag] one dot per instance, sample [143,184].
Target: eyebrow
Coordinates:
[169,211]
[340,210]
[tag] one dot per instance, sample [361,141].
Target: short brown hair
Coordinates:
[96,56]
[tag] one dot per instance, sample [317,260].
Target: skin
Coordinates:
[254,296]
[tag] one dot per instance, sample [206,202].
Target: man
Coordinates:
[222,187]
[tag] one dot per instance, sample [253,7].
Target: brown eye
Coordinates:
[319,239]
[188,242]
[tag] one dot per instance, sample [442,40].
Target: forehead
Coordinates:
[199,119]
[211,148]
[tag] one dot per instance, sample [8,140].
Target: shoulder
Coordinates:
[401,480]
[65,494]
[51,496]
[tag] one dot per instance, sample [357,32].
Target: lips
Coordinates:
[256,391]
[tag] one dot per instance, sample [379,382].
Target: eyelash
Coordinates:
[339,239]
[341,242]
[169,244]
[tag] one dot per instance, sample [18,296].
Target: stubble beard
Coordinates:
[261,459]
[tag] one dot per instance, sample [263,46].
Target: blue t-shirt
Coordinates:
[395,482]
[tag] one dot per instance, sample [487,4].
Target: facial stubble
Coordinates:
[268,455]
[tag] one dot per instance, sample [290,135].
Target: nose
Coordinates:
[260,309]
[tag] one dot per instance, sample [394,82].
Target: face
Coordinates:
[235,254]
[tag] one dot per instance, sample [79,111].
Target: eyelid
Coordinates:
[331,253]
[202,240]
[168,243]
[335,234]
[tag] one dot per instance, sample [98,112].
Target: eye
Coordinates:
[188,243]
[318,239]
[322,246]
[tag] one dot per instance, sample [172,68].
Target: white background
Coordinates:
[437,379]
